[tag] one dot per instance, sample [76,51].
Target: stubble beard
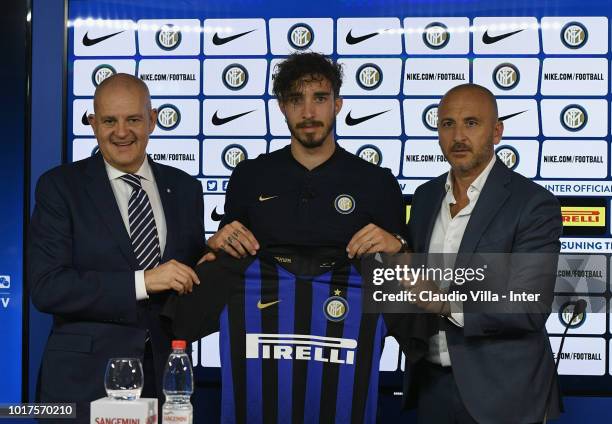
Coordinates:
[478,158]
[309,141]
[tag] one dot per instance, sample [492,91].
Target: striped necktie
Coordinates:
[143,232]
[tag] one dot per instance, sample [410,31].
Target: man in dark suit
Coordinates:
[110,237]
[485,367]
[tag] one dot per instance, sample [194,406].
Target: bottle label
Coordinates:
[176,417]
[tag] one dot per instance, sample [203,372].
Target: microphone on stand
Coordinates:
[579,308]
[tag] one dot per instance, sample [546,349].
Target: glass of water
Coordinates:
[124,378]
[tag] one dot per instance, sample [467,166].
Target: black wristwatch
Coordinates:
[404,243]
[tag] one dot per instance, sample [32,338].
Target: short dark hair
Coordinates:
[298,65]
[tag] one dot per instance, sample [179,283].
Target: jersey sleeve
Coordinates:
[412,332]
[391,212]
[236,197]
[195,315]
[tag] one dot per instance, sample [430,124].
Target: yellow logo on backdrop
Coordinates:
[583,216]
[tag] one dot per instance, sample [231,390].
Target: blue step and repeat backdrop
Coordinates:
[209,67]
[13,74]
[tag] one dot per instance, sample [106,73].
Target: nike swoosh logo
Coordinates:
[512,115]
[215,216]
[355,40]
[91,41]
[84,119]
[219,41]
[221,121]
[487,39]
[265,305]
[263,199]
[350,121]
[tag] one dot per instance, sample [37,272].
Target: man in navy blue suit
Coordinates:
[485,367]
[110,237]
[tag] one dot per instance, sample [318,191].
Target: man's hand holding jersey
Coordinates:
[171,275]
[234,239]
[372,239]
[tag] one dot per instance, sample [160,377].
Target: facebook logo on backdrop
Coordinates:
[5,281]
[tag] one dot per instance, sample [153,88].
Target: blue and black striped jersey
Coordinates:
[295,345]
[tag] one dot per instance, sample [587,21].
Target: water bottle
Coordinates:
[178,386]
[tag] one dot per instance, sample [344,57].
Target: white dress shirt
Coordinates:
[122,192]
[446,238]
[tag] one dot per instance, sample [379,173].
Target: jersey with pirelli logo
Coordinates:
[294,344]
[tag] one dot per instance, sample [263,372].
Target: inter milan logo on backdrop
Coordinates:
[235,76]
[370,153]
[436,35]
[168,37]
[430,117]
[574,35]
[574,117]
[369,76]
[101,73]
[506,76]
[508,155]
[565,315]
[300,36]
[232,155]
[168,117]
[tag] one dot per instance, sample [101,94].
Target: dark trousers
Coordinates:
[439,401]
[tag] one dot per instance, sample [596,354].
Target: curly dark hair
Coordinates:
[297,65]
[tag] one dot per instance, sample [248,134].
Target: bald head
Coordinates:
[468,129]
[123,82]
[123,121]
[474,91]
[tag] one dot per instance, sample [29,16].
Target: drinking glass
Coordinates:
[124,378]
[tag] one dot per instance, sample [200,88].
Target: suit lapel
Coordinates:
[494,194]
[166,186]
[102,196]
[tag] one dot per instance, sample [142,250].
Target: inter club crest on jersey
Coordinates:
[344,204]
[300,36]
[336,308]
[232,155]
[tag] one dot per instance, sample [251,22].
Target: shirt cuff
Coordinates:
[456,316]
[141,288]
